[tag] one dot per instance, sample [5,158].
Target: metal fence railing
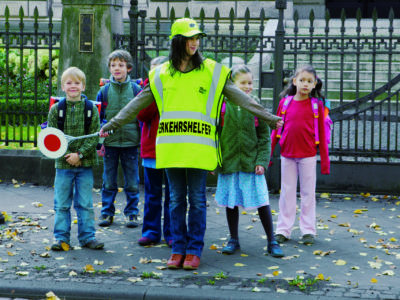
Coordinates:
[28,63]
[357,59]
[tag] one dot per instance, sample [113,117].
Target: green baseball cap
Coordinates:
[186,27]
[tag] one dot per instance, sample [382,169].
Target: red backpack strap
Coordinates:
[314,106]
[285,105]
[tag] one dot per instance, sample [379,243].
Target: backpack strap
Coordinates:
[88,114]
[314,107]
[104,100]
[62,104]
[285,105]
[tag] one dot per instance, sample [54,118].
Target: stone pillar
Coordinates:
[87,29]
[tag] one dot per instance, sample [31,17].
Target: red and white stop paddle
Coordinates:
[53,143]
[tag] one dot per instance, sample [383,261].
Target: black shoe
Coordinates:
[2,218]
[308,239]
[132,221]
[60,246]
[231,247]
[106,220]
[280,238]
[94,245]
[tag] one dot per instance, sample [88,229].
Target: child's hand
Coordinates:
[103,133]
[260,170]
[73,159]
[102,151]
[279,124]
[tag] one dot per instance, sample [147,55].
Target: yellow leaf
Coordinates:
[275,273]
[317,252]
[10,253]
[75,222]
[358,211]
[244,255]
[374,280]
[120,190]
[320,276]
[89,268]
[333,216]
[374,199]
[365,194]
[51,296]
[244,213]
[239,265]
[273,268]
[325,195]
[393,239]
[213,247]
[249,227]
[347,198]
[64,246]
[340,262]
[345,224]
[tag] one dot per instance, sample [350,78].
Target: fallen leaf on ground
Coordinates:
[51,296]
[374,280]
[239,265]
[89,268]
[340,262]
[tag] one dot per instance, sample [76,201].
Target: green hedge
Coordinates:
[26,111]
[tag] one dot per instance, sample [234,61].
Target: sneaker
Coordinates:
[169,243]
[145,241]
[175,261]
[308,239]
[192,262]
[131,221]
[61,246]
[274,249]
[106,220]
[280,238]
[94,245]
[232,246]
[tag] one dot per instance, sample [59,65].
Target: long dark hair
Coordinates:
[291,89]
[178,53]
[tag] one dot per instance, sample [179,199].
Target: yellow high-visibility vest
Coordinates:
[189,104]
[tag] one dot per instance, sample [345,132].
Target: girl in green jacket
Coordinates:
[245,146]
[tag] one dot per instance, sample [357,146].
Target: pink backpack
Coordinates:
[314,106]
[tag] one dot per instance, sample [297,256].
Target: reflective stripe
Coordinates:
[213,87]
[174,115]
[159,85]
[186,139]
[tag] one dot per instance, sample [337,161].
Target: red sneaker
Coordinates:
[175,261]
[192,262]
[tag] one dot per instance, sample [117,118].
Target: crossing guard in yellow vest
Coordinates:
[188,90]
[187,131]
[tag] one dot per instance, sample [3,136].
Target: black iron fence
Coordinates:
[28,63]
[358,60]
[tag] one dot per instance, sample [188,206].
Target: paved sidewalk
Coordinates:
[356,254]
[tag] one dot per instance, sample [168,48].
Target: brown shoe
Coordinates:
[175,261]
[192,262]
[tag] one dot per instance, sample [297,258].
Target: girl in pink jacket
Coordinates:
[298,147]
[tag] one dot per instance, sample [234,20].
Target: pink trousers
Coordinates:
[305,170]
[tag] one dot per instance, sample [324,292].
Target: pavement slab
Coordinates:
[356,254]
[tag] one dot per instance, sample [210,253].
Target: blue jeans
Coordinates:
[74,186]
[153,183]
[187,239]
[129,163]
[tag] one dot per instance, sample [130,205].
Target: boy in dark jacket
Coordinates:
[122,145]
